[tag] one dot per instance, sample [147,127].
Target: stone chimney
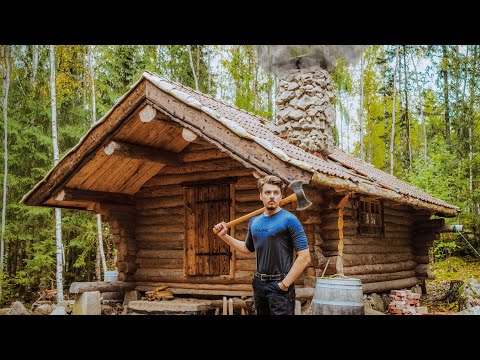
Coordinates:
[304,108]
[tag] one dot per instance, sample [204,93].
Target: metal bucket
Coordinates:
[338,296]
[111,275]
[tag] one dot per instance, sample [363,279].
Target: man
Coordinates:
[273,235]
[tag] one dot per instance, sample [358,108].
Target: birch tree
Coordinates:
[94,119]
[6,84]
[422,120]
[34,65]
[58,213]
[392,137]
[193,67]
[362,151]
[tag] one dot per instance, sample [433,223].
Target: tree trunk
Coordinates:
[419,95]
[6,85]
[101,252]
[407,117]
[392,137]
[193,67]
[34,65]
[445,92]
[471,119]
[362,150]
[58,213]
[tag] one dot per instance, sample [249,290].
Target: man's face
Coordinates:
[271,196]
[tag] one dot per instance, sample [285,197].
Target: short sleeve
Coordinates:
[297,233]
[249,244]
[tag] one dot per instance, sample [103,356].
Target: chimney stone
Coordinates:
[304,108]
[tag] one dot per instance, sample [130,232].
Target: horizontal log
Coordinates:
[247,195]
[202,155]
[398,220]
[159,191]
[242,256]
[246,264]
[370,278]
[448,228]
[127,267]
[160,245]
[238,287]
[363,240]
[102,286]
[179,210]
[429,223]
[333,234]
[161,237]
[389,227]
[384,286]
[160,229]
[424,259]
[225,164]
[332,214]
[368,249]
[380,268]
[160,254]
[363,259]
[176,263]
[202,176]
[159,220]
[175,275]
[68,194]
[141,152]
[333,225]
[397,212]
[407,235]
[427,237]
[160,202]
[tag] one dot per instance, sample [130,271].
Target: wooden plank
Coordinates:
[225,164]
[95,196]
[100,173]
[176,275]
[141,152]
[160,202]
[144,173]
[163,237]
[95,163]
[160,229]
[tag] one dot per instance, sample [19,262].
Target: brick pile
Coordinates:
[404,302]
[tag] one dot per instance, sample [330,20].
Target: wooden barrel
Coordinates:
[338,296]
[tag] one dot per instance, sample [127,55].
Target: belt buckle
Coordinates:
[263,277]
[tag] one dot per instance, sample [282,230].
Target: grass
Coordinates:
[456,268]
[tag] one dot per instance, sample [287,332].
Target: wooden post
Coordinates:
[224,306]
[230,306]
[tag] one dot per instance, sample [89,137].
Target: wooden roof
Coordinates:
[143,132]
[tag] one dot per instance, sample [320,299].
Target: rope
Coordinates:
[476,252]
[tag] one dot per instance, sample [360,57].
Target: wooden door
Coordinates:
[205,252]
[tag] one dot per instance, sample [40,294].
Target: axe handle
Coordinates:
[243,218]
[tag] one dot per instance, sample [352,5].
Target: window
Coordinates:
[205,206]
[370,218]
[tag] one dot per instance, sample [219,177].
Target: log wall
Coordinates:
[397,259]
[160,225]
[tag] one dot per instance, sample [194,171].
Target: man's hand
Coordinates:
[222,229]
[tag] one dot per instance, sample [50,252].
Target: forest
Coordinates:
[410,110]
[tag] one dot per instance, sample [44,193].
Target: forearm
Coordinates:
[237,245]
[301,262]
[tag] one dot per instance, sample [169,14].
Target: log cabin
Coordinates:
[166,163]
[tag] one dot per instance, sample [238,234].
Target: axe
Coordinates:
[298,196]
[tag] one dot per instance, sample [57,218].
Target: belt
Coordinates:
[267,277]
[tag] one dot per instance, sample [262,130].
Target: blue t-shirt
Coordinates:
[274,238]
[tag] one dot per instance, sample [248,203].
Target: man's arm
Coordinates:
[301,262]
[230,240]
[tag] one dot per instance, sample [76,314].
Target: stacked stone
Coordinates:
[304,108]
[404,302]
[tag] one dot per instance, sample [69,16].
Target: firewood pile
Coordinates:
[160,293]
[403,302]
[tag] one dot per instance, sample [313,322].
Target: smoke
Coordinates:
[280,58]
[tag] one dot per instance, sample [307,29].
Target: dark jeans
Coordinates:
[269,299]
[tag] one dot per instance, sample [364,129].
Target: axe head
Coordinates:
[302,201]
